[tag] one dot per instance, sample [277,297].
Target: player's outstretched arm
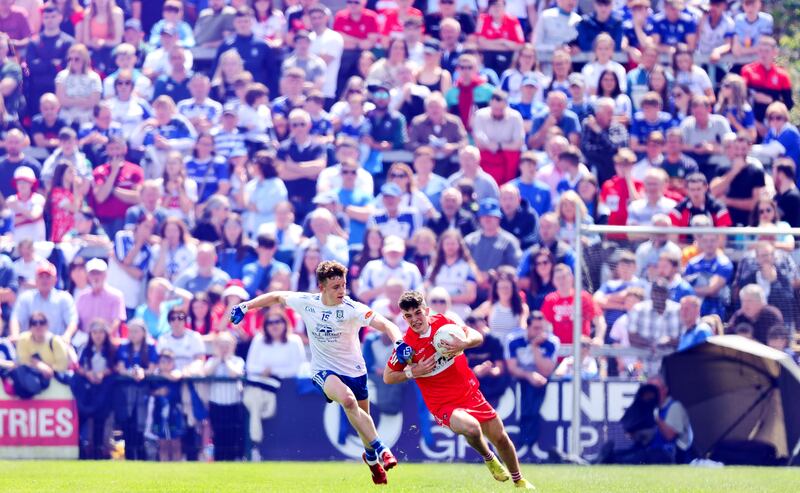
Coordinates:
[262,301]
[386,326]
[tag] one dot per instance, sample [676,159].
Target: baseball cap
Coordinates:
[325,198]
[431,46]
[530,81]
[377,85]
[391,190]
[229,109]
[394,244]
[169,30]
[237,291]
[24,173]
[489,207]
[576,80]
[134,24]
[97,264]
[46,268]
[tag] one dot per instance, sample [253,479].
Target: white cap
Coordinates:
[96,264]
[234,290]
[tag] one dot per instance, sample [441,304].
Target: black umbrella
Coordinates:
[736,389]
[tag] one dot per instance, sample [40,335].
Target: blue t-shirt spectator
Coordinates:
[537,194]
[207,174]
[673,33]
[358,198]
[699,272]
[568,123]
[642,128]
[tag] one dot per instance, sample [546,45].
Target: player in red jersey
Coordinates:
[450,389]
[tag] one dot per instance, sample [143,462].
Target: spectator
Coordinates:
[499,35]
[46,125]
[166,131]
[788,196]
[200,315]
[604,46]
[531,359]
[610,297]
[257,56]
[225,400]
[63,201]
[674,28]
[150,204]
[372,279]
[359,29]
[47,52]
[655,322]
[602,20]
[602,137]
[698,202]
[394,219]
[78,87]
[739,185]
[639,78]
[429,183]
[27,206]
[263,193]
[710,273]
[469,92]
[327,234]
[176,251]
[490,245]
[56,305]
[270,23]
[783,138]
[101,301]
[274,352]
[443,132]
[204,274]
[176,83]
[557,308]
[767,81]
[487,361]
[529,102]
[775,284]
[469,167]
[166,421]
[454,270]
[91,386]
[101,30]
[300,162]
[536,193]
[650,119]
[518,218]
[386,128]
[778,338]
[669,269]
[556,26]
[161,297]
[136,359]
[304,277]
[452,215]
[749,26]
[288,234]
[505,310]
[499,134]
[201,111]
[767,215]
[589,367]
[620,190]
[450,37]
[15,141]
[733,105]
[557,115]
[14,24]
[642,211]
[258,275]
[131,258]
[756,312]
[40,351]
[116,187]
[69,152]
[93,137]
[703,133]
[694,330]
[329,46]
[402,175]
[213,24]
[229,72]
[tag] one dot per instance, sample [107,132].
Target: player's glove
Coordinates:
[238,312]
[403,351]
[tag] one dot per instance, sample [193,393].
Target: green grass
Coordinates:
[280,477]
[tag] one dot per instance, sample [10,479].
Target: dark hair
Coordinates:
[534,315]
[286,322]
[200,136]
[571,155]
[755,216]
[537,283]
[697,177]
[411,300]
[438,260]
[395,41]
[506,273]
[265,160]
[363,256]
[330,269]
[175,309]
[614,92]
[38,314]
[241,245]
[107,350]
[303,283]
[255,91]
[787,167]
[58,182]
[180,224]
[194,324]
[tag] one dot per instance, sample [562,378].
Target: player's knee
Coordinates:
[349,402]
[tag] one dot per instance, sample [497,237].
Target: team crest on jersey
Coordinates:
[339,314]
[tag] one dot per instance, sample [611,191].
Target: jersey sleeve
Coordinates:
[394,363]
[362,313]
[296,301]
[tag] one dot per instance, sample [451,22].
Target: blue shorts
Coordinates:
[357,384]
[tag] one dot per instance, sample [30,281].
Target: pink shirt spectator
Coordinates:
[108,304]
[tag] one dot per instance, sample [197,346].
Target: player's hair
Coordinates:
[330,269]
[411,300]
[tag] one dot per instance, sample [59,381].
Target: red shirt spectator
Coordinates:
[508,29]
[558,309]
[14,22]
[110,203]
[766,80]
[393,21]
[615,195]
[360,28]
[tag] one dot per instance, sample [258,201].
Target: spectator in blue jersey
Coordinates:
[531,359]
[490,245]
[15,141]
[300,162]
[669,269]
[355,202]
[528,104]
[387,128]
[207,169]
[166,131]
[149,204]
[783,138]
[536,193]
[46,124]
[125,59]
[392,218]
[637,27]
[229,138]
[733,104]
[292,92]
[172,15]
[201,111]
[556,115]
[649,119]
[234,250]
[258,275]
[132,256]
[674,27]
[47,53]
[693,330]
[610,297]
[487,361]
[602,20]
[749,26]
[710,273]
[175,84]
[523,66]
[259,59]
[639,77]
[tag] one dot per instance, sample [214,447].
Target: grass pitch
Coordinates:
[337,477]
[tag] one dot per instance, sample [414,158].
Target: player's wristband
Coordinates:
[409,373]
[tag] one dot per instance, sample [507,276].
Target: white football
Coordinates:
[447,333]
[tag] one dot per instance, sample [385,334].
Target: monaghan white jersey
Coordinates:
[333,332]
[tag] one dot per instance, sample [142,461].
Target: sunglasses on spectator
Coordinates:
[275,321]
[438,301]
[38,322]
[398,175]
[543,262]
[466,67]
[179,316]
[123,82]
[776,118]
[74,59]
[348,171]
[765,211]
[297,124]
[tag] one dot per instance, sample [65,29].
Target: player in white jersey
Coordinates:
[332,322]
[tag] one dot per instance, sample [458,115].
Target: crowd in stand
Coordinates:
[164,160]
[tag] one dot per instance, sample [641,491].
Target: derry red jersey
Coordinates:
[615,195]
[558,311]
[509,28]
[451,379]
[366,24]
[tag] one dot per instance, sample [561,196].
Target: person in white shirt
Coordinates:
[641,211]
[374,275]
[187,345]
[328,45]
[556,26]
[333,322]
[225,399]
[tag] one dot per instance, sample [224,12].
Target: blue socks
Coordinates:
[375,447]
